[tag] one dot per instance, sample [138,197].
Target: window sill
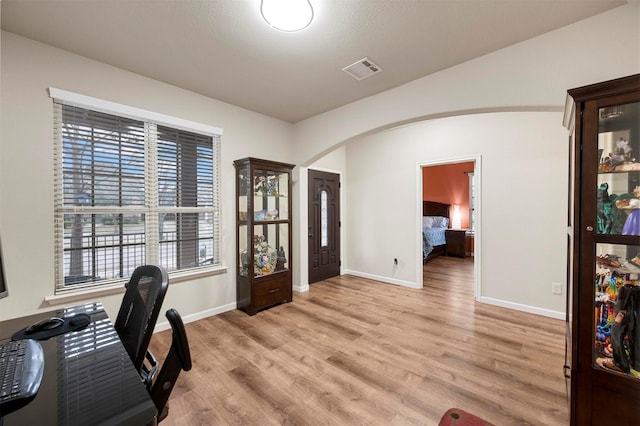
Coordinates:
[92,293]
[85,294]
[194,274]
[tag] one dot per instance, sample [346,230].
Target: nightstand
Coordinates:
[456,242]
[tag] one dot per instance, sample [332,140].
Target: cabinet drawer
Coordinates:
[272,291]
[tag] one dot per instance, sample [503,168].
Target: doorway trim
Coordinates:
[477,260]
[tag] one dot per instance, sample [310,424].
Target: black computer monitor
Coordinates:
[4,292]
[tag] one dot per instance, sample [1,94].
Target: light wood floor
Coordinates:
[354,351]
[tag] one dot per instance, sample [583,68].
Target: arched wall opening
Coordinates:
[524,158]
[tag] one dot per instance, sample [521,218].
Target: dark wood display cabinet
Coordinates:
[604,254]
[263,234]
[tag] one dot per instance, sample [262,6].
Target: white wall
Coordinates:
[531,76]
[534,75]
[523,202]
[334,162]
[26,168]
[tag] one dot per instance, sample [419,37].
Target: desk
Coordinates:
[88,378]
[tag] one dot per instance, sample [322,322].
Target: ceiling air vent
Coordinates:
[362,69]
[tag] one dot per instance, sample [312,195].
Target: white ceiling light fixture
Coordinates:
[287,15]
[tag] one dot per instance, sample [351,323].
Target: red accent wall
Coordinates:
[449,184]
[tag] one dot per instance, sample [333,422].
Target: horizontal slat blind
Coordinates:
[129,192]
[185,168]
[103,159]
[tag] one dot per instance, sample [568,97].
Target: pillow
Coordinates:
[435,222]
[440,222]
[427,221]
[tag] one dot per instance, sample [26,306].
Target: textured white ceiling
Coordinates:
[223,49]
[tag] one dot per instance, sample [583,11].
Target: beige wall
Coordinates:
[522,206]
[532,75]
[26,168]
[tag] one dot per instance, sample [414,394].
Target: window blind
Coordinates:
[131,192]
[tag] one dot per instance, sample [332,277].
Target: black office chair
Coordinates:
[138,314]
[178,359]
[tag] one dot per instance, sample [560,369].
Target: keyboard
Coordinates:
[21,368]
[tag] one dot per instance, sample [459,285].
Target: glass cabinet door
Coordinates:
[616,346]
[270,195]
[243,176]
[263,220]
[618,171]
[271,248]
[270,230]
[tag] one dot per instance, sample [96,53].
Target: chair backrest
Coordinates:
[139,311]
[178,359]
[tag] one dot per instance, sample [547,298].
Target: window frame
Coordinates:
[472,201]
[151,120]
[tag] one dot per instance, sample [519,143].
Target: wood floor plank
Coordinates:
[353,351]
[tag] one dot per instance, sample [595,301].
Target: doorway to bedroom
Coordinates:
[450,215]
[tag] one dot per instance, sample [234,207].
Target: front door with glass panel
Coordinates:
[324,225]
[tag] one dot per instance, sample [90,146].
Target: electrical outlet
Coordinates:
[556,288]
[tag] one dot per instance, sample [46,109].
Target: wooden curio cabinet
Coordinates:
[263,234]
[604,280]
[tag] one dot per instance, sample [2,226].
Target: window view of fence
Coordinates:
[131,193]
[104,257]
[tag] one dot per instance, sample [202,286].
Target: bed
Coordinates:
[435,220]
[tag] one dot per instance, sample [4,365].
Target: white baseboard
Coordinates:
[161,326]
[301,288]
[164,325]
[524,308]
[381,278]
[488,300]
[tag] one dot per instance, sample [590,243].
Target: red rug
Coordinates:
[458,417]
